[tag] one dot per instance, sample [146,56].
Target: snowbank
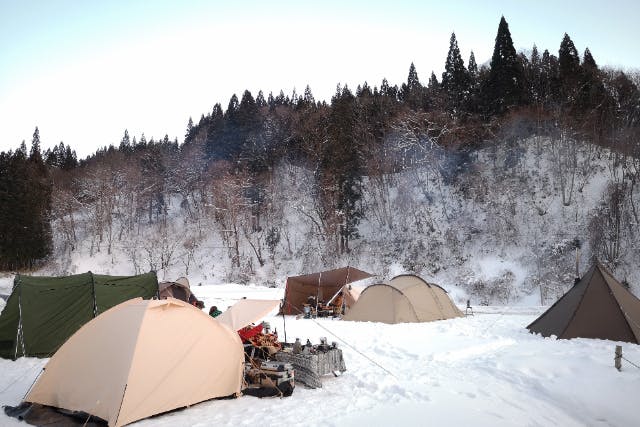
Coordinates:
[482,370]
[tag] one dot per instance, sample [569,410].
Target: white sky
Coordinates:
[84,71]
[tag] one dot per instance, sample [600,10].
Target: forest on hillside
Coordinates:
[160,200]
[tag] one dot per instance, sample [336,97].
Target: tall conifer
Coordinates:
[505,86]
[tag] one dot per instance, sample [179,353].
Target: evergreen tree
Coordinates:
[35,154]
[308,99]
[232,108]
[260,102]
[433,82]
[473,67]
[189,134]
[591,98]
[341,164]
[22,151]
[569,61]
[142,144]
[125,142]
[588,63]
[413,83]
[70,160]
[505,86]
[549,85]
[25,230]
[455,79]
[412,90]
[215,132]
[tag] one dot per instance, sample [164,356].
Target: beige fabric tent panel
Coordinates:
[179,289]
[142,358]
[247,311]
[351,293]
[405,299]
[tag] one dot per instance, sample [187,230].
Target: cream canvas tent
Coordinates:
[142,358]
[406,298]
[247,311]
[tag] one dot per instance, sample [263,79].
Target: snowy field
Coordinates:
[482,370]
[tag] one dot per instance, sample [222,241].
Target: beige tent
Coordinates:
[141,358]
[179,289]
[247,311]
[406,298]
[351,293]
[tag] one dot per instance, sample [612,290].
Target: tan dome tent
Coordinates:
[322,285]
[406,298]
[598,306]
[142,358]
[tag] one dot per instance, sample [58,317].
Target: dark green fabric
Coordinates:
[53,308]
[112,290]
[9,326]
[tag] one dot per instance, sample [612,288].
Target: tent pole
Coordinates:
[120,408]
[318,291]
[284,322]
[336,294]
[93,290]
[19,332]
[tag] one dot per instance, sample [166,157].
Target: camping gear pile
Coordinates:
[268,378]
[311,362]
[262,375]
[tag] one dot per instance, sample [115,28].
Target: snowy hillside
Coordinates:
[482,370]
[499,224]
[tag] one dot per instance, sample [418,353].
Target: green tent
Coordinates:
[42,312]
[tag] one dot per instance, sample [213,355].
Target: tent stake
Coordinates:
[618,358]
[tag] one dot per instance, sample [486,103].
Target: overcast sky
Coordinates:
[85,70]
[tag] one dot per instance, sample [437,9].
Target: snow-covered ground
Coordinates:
[482,370]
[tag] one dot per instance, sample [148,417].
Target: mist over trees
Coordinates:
[228,170]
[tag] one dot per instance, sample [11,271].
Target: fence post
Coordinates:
[618,358]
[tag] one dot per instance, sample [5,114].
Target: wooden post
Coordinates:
[618,358]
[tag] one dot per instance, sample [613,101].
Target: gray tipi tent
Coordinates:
[598,306]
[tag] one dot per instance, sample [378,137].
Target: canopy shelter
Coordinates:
[598,306]
[246,312]
[321,286]
[141,358]
[42,312]
[405,298]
